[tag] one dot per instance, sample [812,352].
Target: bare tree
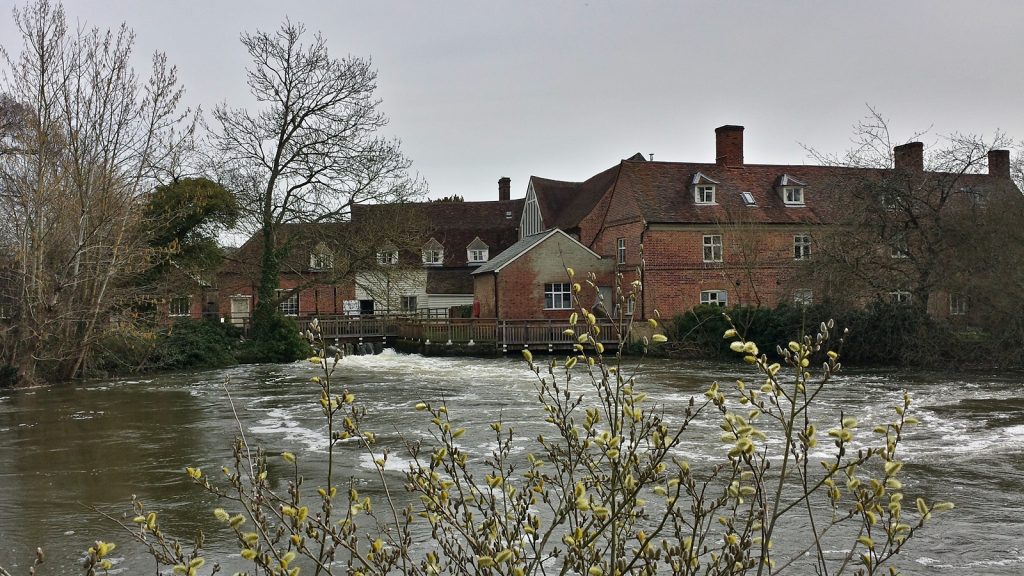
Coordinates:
[313,150]
[92,137]
[903,228]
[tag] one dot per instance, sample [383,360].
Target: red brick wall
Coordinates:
[757,266]
[520,284]
[314,299]
[483,292]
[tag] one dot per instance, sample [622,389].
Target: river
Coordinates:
[65,450]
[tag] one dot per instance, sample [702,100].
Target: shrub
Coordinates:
[274,338]
[197,344]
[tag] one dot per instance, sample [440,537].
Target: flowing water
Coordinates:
[68,451]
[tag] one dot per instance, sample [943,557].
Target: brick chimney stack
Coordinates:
[504,189]
[999,163]
[729,146]
[909,157]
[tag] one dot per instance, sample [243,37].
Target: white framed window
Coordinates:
[803,297]
[289,306]
[630,305]
[957,305]
[387,257]
[408,304]
[712,247]
[714,297]
[704,194]
[793,195]
[433,256]
[899,297]
[801,246]
[477,255]
[748,199]
[180,306]
[898,247]
[620,250]
[558,296]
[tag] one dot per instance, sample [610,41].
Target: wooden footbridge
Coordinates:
[503,335]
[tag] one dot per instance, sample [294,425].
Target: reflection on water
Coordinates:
[67,449]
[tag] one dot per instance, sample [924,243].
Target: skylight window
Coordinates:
[748,199]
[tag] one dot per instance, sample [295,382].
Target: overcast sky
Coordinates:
[477,90]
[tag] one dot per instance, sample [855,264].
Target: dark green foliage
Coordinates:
[185,344]
[8,376]
[198,344]
[274,338]
[184,218]
[883,334]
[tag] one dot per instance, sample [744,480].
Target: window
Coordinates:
[387,257]
[704,194]
[433,256]
[558,296]
[713,248]
[433,253]
[620,250]
[793,195]
[321,259]
[408,304]
[477,256]
[748,199]
[899,297]
[714,297]
[957,305]
[898,247]
[803,297]
[801,247]
[890,201]
[477,251]
[180,306]
[290,305]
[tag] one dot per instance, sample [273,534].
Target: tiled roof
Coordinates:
[513,252]
[457,224]
[661,192]
[303,238]
[564,204]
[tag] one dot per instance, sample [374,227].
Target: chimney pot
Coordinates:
[999,163]
[729,146]
[909,157]
[504,188]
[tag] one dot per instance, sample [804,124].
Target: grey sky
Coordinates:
[479,90]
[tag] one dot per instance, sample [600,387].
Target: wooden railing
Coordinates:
[502,333]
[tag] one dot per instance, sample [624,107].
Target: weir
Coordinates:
[502,336]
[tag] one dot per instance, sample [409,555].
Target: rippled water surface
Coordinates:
[67,451]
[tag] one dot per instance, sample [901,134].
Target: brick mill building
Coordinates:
[721,233]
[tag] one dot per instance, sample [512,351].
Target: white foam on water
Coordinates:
[392,464]
[278,422]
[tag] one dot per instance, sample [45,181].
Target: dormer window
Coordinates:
[477,251]
[387,256]
[703,189]
[433,253]
[792,190]
[321,258]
